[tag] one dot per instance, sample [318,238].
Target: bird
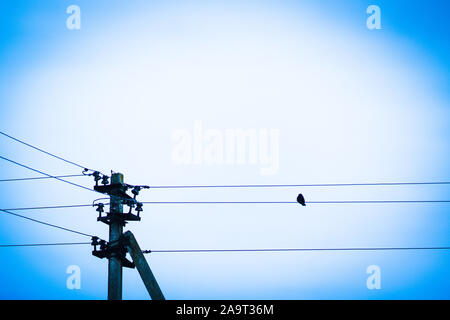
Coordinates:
[301,199]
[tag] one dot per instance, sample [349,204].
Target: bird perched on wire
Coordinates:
[301,199]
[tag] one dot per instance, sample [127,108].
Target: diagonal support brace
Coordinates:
[142,266]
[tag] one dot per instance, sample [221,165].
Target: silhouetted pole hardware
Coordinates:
[119,244]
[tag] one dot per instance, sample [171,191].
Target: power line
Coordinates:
[47,224]
[302,185]
[236,250]
[219,202]
[294,202]
[50,207]
[40,178]
[43,244]
[235,202]
[379,201]
[292,249]
[46,174]
[46,152]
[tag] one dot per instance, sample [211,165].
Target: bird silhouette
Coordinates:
[301,199]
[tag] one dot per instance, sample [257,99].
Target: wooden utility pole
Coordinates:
[115,233]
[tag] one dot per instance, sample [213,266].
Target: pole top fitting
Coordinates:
[116,178]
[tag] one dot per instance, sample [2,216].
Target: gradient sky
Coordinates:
[351,105]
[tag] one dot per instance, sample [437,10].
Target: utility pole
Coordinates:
[116,248]
[115,232]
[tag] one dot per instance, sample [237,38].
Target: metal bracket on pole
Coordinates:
[107,250]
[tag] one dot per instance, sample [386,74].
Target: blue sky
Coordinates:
[349,104]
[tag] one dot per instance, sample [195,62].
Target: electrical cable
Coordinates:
[48,175]
[48,153]
[292,249]
[43,244]
[302,185]
[40,178]
[47,224]
[294,202]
